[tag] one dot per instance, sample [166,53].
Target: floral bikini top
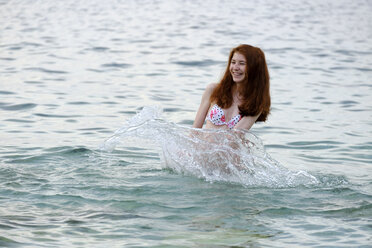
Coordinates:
[217,117]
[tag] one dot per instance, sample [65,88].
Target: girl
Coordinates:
[242,97]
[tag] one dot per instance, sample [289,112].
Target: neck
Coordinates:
[237,89]
[237,97]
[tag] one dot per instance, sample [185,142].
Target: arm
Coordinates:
[204,106]
[246,122]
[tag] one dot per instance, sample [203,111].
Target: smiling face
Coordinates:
[238,67]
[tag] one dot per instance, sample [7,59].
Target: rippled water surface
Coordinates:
[74,72]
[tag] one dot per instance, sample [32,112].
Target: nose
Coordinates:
[236,67]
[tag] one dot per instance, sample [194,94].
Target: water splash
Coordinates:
[216,155]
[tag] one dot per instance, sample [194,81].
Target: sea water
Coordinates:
[87,160]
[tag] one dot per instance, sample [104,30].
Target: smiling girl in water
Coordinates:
[242,97]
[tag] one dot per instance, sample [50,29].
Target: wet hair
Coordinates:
[256,84]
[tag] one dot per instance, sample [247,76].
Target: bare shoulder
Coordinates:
[208,92]
[210,88]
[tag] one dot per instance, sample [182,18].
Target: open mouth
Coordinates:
[237,74]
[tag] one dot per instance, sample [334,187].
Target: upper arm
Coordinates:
[204,106]
[246,122]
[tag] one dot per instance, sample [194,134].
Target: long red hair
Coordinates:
[256,85]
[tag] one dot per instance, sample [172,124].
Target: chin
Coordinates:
[238,81]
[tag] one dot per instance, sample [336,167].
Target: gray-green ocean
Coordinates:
[97,99]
